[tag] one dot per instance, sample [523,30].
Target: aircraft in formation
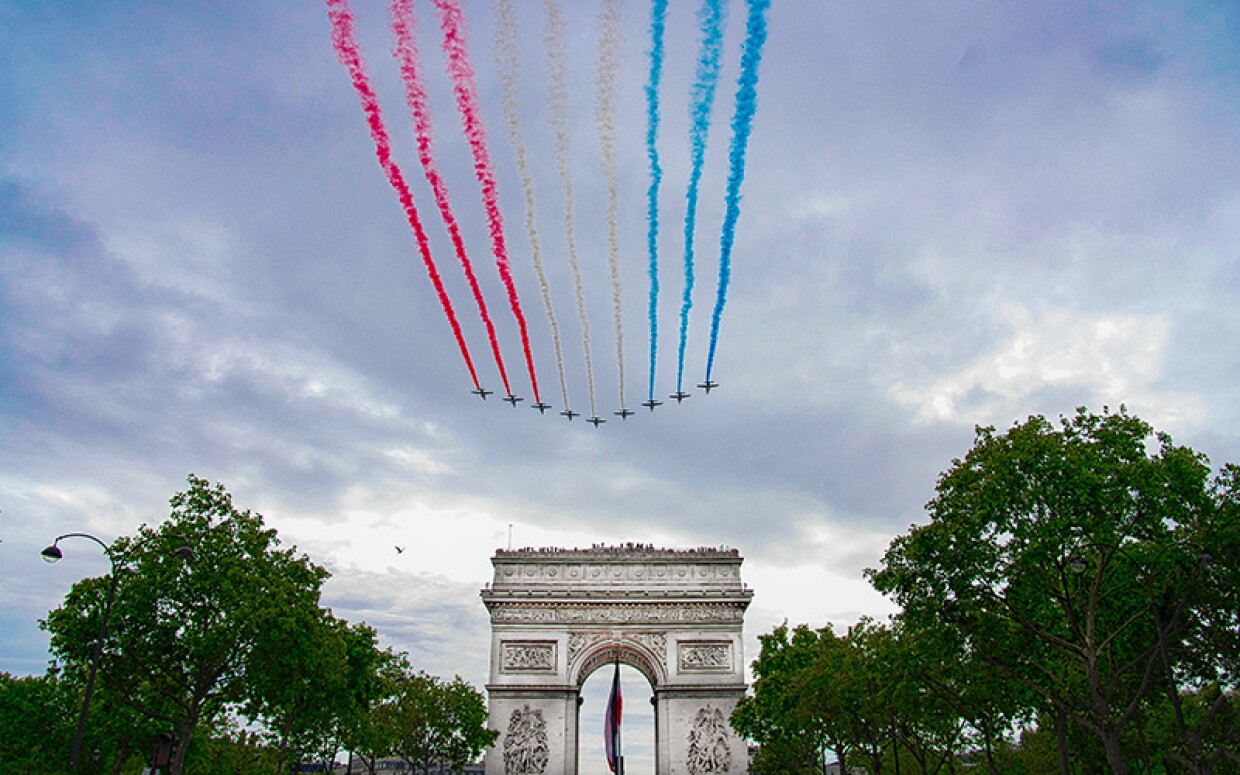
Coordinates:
[624,413]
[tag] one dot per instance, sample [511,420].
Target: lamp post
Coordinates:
[53,554]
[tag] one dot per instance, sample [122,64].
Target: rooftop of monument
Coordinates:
[627,551]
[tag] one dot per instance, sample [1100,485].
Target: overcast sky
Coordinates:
[956,212]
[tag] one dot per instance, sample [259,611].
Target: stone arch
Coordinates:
[628,652]
[557,615]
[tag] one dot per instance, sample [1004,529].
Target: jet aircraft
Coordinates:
[624,413]
[707,385]
[510,398]
[482,392]
[596,421]
[570,414]
[679,395]
[541,407]
[651,404]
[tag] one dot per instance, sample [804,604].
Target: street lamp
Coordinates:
[53,554]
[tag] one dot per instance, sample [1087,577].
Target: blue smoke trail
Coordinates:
[711,17]
[742,124]
[658,20]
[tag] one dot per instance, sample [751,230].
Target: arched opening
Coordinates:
[637,727]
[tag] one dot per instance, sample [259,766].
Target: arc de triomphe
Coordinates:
[557,615]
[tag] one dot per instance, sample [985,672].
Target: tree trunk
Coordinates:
[1061,737]
[987,736]
[181,747]
[1115,752]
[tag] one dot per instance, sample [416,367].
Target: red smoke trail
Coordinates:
[462,74]
[350,56]
[415,95]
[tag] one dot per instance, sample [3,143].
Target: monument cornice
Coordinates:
[623,552]
[604,571]
[618,594]
[562,613]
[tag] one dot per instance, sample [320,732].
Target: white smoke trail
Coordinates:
[558,91]
[506,59]
[605,114]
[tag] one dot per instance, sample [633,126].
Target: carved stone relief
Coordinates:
[578,641]
[708,743]
[655,643]
[528,656]
[599,614]
[704,657]
[525,743]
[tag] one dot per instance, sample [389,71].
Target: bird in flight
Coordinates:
[400,550]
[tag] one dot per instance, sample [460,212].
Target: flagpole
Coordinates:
[619,734]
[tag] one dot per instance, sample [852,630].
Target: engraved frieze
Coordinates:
[527,656]
[600,614]
[704,657]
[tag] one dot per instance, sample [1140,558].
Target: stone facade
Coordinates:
[557,615]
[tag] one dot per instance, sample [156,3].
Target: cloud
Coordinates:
[1100,359]
[953,214]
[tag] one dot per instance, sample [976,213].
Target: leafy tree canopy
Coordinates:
[191,636]
[1083,561]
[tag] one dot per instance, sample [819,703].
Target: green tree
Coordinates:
[298,673]
[362,682]
[438,722]
[875,694]
[35,722]
[1082,562]
[188,639]
[866,693]
[781,715]
[370,732]
[312,688]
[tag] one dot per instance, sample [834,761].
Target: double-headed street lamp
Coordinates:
[53,554]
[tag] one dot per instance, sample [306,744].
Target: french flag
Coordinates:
[611,725]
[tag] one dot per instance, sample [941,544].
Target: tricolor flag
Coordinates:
[611,725]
